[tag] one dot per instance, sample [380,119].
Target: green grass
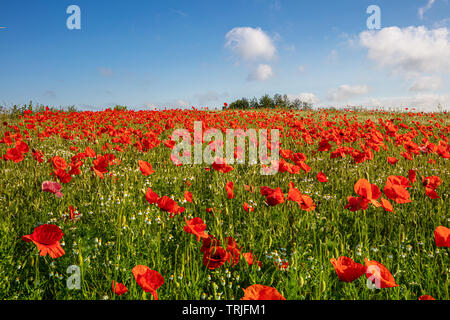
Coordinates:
[118,229]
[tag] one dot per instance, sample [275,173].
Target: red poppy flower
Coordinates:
[167,204]
[251,259]
[196,226]
[395,189]
[221,166]
[322,177]
[426,297]
[233,251]
[100,164]
[368,191]
[304,166]
[149,280]
[89,152]
[432,194]
[151,196]
[261,292]
[431,183]
[37,155]
[73,213]
[379,274]
[75,168]
[170,144]
[304,201]
[22,146]
[214,257]
[412,176]
[119,288]
[13,154]
[387,205]
[347,269]
[229,187]
[392,160]
[248,188]
[247,207]
[58,163]
[442,236]
[265,191]
[188,196]
[62,175]
[356,203]
[46,237]
[275,197]
[406,155]
[208,242]
[145,167]
[324,145]
[53,187]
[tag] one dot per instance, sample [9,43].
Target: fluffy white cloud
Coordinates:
[411,50]
[426,84]
[345,92]
[250,43]
[262,72]
[305,97]
[426,8]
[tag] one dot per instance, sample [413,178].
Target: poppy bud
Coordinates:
[323,286]
[301,281]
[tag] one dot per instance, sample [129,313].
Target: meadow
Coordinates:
[366,185]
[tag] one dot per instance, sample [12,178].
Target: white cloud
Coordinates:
[427,84]
[409,51]
[250,43]
[426,8]
[305,97]
[262,72]
[422,101]
[345,92]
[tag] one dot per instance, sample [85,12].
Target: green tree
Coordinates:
[239,104]
[266,102]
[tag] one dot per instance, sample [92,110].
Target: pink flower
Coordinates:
[53,187]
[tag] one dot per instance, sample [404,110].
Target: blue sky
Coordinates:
[178,53]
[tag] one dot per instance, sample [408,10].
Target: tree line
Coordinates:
[266,101]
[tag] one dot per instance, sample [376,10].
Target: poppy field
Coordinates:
[94,205]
